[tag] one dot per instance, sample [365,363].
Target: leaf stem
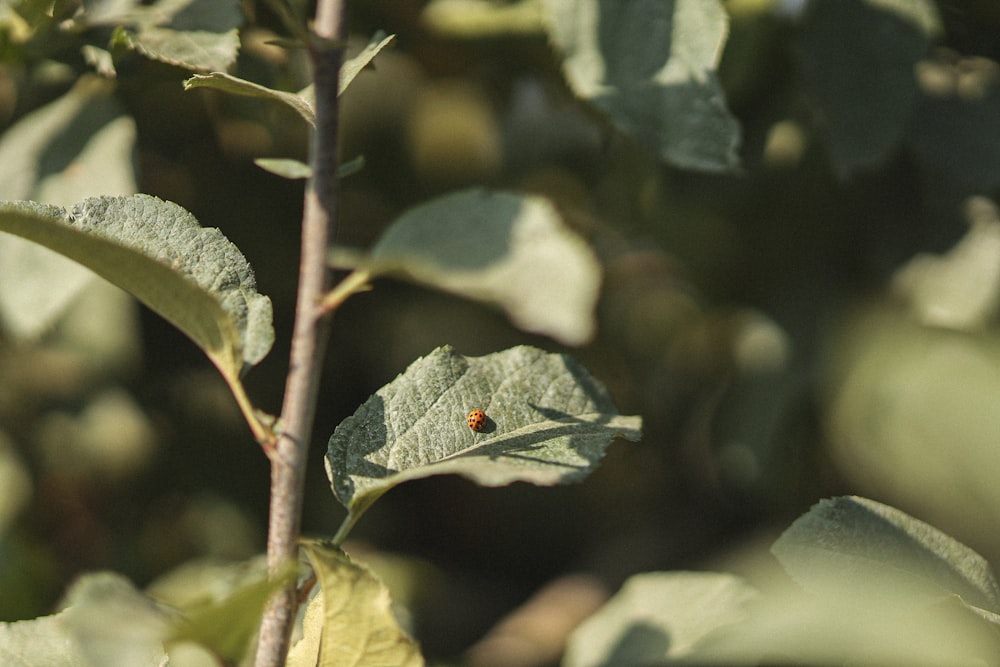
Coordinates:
[309,335]
[356,281]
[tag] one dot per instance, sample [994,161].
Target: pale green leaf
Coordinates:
[353,66]
[106,623]
[659,618]
[483,18]
[234,85]
[220,604]
[303,103]
[78,145]
[549,422]
[284,167]
[294,169]
[961,288]
[192,276]
[358,627]
[848,539]
[195,34]
[865,86]
[508,250]
[651,66]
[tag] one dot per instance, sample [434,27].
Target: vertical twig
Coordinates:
[288,462]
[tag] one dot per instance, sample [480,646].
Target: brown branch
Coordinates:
[309,335]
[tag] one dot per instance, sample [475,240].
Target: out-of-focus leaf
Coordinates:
[865,85]
[76,146]
[651,66]
[847,539]
[284,167]
[99,59]
[505,249]
[659,618]
[358,627]
[106,623]
[913,417]
[483,18]
[549,422]
[955,132]
[192,276]
[221,605]
[195,34]
[960,289]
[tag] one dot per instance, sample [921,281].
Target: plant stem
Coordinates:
[309,334]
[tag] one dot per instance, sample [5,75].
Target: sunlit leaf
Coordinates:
[192,276]
[353,66]
[195,34]
[228,83]
[303,102]
[658,618]
[549,422]
[505,249]
[651,66]
[483,18]
[220,605]
[855,539]
[357,627]
[78,145]
[106,623]
[961,288]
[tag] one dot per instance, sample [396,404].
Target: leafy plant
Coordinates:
[866,583]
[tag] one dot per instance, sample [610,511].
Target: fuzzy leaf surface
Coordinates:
[847,539]
[651,66]
[192,276]
[508,250]
[549,422]
[78,145]
[357,627]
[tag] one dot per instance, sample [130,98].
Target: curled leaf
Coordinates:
[356,626]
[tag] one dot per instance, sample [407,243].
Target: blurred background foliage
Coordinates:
[822,321]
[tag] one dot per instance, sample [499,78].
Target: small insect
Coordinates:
[477,420]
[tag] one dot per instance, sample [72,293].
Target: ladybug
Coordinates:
[477,420]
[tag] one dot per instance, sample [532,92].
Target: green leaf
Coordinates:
[237,86]
[192,276]
[106,623]
[75,146]
[851,539]
[195,34]
[504,249]
[221,605]
[549,422]
[865,85]
[651,66]
[959,289]
[658,618]
[354,625]
[353,66]
[483,18]
[303,102]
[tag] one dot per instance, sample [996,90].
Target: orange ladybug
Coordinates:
[477,420]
